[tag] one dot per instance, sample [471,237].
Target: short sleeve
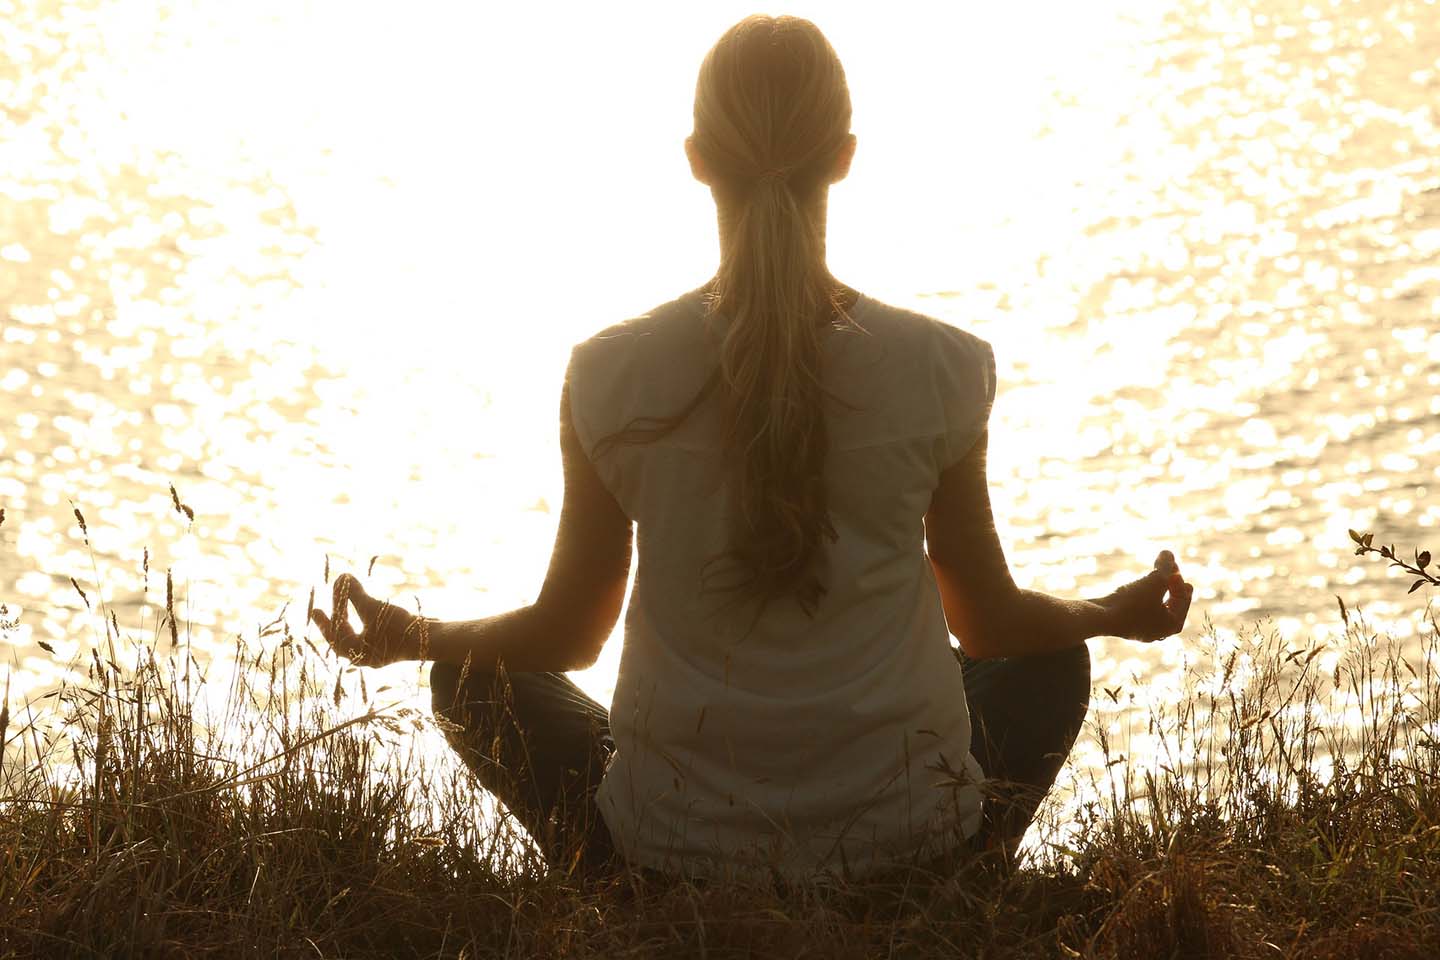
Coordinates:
[597,383]
[577,386]
[964,378]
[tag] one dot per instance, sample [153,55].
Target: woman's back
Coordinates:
[734,732]
[806,472]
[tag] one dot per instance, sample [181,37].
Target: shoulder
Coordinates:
[666,322]
[945,343]
[639,366]
[953,376]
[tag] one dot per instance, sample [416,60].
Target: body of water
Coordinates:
[318,266]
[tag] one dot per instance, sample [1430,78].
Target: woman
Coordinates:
[804,468]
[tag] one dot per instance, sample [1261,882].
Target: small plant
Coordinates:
[1363,545]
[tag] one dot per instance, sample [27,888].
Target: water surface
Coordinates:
[318,266]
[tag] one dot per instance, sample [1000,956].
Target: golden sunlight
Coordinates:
[319,265]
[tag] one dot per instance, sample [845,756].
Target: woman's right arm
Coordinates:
[992,617]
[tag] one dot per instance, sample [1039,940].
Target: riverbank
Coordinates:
[1288,810]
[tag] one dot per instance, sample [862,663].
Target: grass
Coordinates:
[1291,810]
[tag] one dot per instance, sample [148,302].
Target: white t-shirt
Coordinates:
[834,743]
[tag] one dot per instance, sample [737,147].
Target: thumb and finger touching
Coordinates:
[336,628]
[1179,603]
[384,626]
[348,588]
[1163,583]
[1177,592]
[338,633]
[1158,602]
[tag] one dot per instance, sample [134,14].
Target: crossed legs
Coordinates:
[1025,713]
[537,742]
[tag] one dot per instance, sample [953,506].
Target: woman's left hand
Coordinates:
[389,633]
[1153,607]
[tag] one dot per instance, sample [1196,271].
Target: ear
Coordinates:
[697,163]
[843,160]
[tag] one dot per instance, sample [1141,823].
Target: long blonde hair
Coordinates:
[772,116]
[772,113]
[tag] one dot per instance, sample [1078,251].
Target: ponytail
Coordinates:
[772,113]
[772,294]
[772,116]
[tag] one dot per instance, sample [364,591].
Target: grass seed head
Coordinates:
[170,610]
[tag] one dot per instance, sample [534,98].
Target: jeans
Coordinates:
[538,743]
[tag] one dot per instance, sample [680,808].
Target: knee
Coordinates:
[1077,661]
[452,686]
[1078,687]
[444,686]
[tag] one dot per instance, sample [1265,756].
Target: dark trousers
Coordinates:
[538,743]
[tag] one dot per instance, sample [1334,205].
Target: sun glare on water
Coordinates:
[320,264]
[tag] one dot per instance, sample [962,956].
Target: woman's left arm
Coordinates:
[564,629]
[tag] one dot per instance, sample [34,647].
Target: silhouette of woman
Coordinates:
[802,469]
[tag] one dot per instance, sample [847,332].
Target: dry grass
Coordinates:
[1290,811]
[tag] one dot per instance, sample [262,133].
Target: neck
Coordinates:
[727,214]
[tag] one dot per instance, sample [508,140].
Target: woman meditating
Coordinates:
[801,470]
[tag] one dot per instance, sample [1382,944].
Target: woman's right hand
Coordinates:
[1153,607]
[389,633]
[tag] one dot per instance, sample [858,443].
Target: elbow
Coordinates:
[987,633]
[585,654]
[981,643]
[573,642]
[991,629]
[979,612]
